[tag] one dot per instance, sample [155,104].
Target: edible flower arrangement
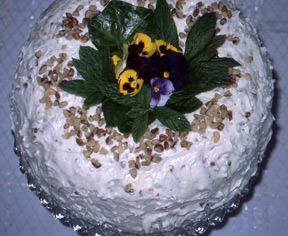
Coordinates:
[139,73]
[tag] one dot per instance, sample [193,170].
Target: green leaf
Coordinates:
[93,99]
[152,117]
[90,55]
[117,23]
[139,126]
[135,112]
[126,126]
[200,35]
[92,86]
[112,92]
[76,87]
[187,92]
[223,62]
[172,119]
[114,113]
[165,27]
[88,71]
[108,66]
[193,89]
[144,96]
[187,105]
[90,64]
[95,65]
[211,49]
[206,78]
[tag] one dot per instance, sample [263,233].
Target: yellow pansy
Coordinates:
[144,41]
[129,83]
[163,47]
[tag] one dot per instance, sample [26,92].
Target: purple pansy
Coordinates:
[161,90]
[172,66]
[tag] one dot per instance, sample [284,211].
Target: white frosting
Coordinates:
[183,185]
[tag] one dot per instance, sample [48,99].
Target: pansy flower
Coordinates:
[161,90]
[129,83]
[163,47]
[172,66]
[143,41]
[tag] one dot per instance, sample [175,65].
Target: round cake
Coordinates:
[92,144]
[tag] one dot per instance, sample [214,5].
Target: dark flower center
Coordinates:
[163,49]
[128,88]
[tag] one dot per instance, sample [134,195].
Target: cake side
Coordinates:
[108,177]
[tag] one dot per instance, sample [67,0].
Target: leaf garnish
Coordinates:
[112,118]
[172,119]
[93,99]
[165,27]
[200,36]
[211,49]
[76,87]
[119,24]
[139,126]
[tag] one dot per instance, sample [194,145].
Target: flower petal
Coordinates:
[161,90]
[163,100]
[122,63]
[167,87]
[148,48]
[163,47]
[116,60]
[172,66]
[154,100]
[129,84]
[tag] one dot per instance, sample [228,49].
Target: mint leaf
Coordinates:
[118,23]
[172,119]
[93,99]
[76,87]
[206,76]
[211,49]
[187,105]
[164,24]
[112,92]
[126,126]
[187,92]
[135,112]
[223,62]
[144,96]
[90,55]
[192,89]
[108,66]
[139,126]
[152,117]
[95,65]
[200,36]
[92,86]
[88,71]
[114,113]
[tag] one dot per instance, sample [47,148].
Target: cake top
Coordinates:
[72,67]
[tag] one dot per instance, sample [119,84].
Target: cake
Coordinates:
[154,179]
